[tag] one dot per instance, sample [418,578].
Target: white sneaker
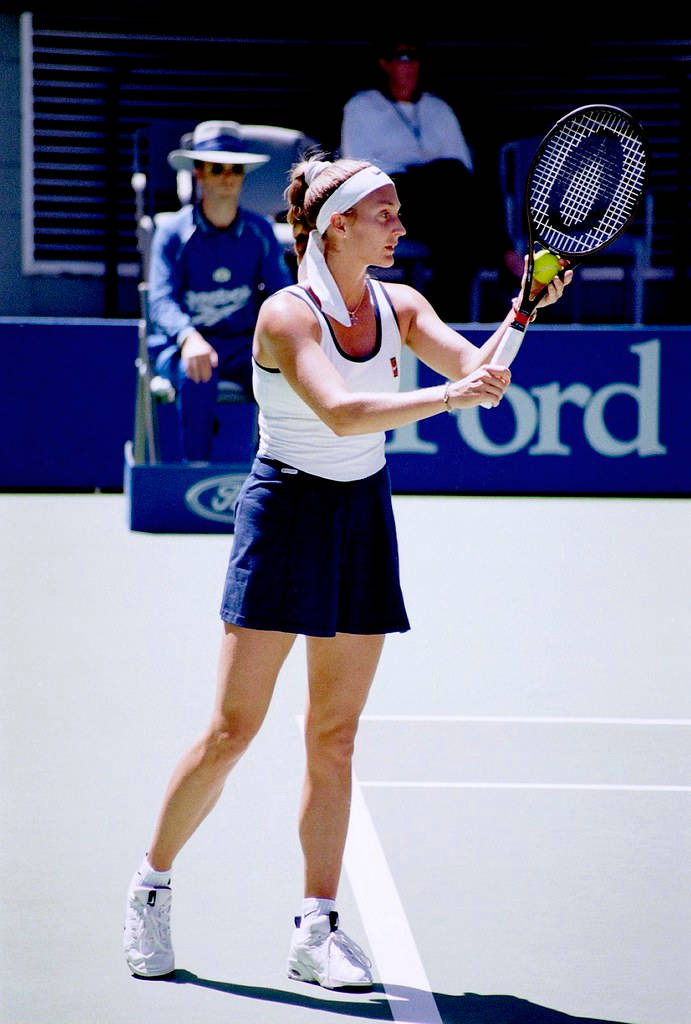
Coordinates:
[321,952]
[147,944]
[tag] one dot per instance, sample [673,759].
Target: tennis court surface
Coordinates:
[519,842]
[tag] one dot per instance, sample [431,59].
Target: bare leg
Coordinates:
[341,670]
[249,663]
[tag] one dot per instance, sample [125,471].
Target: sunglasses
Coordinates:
[218,169]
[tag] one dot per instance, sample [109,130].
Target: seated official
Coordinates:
[212,265]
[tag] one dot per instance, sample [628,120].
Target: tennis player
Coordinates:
[315,549]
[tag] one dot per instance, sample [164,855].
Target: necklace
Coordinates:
[352,313]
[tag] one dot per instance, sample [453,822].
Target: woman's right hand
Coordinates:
[487,384]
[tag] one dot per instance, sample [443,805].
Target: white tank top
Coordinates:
[291,432]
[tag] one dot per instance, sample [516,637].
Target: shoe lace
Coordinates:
[154,922]
[346,945]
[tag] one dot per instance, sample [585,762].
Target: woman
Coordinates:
[315,547]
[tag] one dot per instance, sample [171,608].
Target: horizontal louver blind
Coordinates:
[91,83]
[90,86]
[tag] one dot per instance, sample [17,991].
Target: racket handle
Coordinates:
[507,350]
[508,347]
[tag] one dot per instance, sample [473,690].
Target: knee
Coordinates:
[228,739]
[332,744]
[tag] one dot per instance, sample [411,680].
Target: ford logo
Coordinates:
[215,496]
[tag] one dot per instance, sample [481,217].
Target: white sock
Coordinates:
[154,879]
[318,907]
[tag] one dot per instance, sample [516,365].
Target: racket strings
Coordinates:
[583,190]
[600,161]
[563,145]
[616,177]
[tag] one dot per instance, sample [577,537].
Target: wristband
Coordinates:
[445,396]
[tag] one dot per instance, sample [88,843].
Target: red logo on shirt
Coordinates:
[394,366]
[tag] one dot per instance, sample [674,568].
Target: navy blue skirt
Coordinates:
[314,556]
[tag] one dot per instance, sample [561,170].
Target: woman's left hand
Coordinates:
[555,289]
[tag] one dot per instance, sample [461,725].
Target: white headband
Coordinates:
[353,189]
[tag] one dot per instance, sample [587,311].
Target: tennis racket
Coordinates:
[583,187]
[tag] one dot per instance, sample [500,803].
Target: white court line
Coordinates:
[598,786]
[389,933]
[526,719]
[385,920]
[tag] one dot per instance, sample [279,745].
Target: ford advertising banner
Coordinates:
[591,410]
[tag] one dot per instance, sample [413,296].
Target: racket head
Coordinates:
[586,181]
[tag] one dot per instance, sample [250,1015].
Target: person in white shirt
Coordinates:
[416,138]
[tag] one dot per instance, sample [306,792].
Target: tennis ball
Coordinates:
[546,266]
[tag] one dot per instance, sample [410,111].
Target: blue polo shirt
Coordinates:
[213,279]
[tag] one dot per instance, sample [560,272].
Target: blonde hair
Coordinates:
[305,201]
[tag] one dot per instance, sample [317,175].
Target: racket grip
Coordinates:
[508,347]
[507,350]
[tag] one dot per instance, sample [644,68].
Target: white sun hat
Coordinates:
[216,142]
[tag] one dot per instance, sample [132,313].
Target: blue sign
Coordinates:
[182,498]
[591,410]
[67,392]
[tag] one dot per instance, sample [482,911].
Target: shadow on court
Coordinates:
[376,1009]
[465,1009]
[476,1009]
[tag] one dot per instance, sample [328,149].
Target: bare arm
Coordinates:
[434,342]
[287,337]
[444,349]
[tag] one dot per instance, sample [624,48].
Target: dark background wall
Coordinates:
[98,79]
